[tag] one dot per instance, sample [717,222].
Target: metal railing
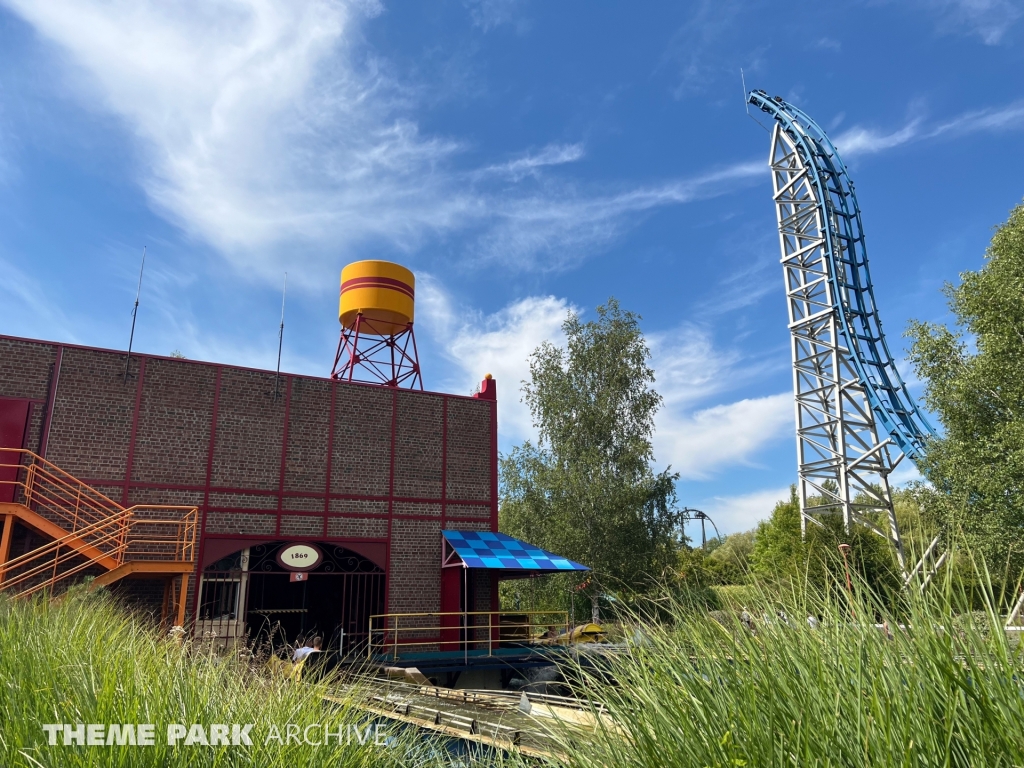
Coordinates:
[51,492]
[463,630]
[97,531]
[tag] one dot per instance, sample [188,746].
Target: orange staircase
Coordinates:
[87,532]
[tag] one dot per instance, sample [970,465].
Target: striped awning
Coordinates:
[496,551]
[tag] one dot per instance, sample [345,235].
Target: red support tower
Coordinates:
[366,354]
[377,344]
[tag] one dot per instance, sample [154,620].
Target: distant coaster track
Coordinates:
[856,419]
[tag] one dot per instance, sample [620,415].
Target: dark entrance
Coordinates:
[248,593]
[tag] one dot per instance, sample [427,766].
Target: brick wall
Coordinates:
[250,428]
[469,450]
[309,414]
[92,414]
[415,558]
[26,368]
[173,435]
[321,460]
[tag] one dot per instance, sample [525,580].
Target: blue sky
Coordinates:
[523,158]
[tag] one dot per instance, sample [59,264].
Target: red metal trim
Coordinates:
[261,511]
[378,282]
[284,449]
[51,398]
[28,421]
[435,518]
[381,356]
[209,477]
[444,461]
[330,455]
[494,465]
[32,400]
[135,429]
[355,346]
[351,515]
[288,494]
[391,498]
[62,345]
[260,537]
[416,358]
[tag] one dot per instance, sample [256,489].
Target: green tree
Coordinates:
[586,490]
[721,562]
[974,381]
[728,559]
[781,554]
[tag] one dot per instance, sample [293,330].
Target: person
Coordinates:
[301,648]
[302,653]
[745,619]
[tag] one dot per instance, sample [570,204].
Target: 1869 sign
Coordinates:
[299,557]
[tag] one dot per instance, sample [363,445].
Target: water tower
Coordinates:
[377,345]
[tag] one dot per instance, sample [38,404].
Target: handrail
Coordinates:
[389,629]
[56,491]
[92,521]
[42,557]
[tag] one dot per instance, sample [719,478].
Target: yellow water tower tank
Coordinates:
[382,292]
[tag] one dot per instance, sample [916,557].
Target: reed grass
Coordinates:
[941,687]
[82,659]
[944,686]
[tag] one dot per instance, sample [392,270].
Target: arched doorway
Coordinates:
[248,594]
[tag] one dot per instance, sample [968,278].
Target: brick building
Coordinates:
[370,475]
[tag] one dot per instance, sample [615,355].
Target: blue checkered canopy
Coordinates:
[484,549]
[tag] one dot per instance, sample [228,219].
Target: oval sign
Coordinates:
[299,557]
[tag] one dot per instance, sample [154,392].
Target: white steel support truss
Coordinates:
[843,462]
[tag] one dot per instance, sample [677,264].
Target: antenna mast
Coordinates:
[135,312]
[280,339]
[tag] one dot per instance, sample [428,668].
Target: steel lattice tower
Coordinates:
[855,420]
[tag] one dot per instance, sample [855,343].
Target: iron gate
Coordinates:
[248,597]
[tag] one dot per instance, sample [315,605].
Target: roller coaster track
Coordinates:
[855,419]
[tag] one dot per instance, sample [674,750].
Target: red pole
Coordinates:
[354,358]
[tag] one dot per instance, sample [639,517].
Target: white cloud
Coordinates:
[867,141]
[553,154]
[743,512]
[691,51]
[828,43]
[988,19]
[864,141]
[699,444]
[688,367]
[1003,118]
[258,122]
[28,307]
[499,344]
[489,14]
[265,128]
[556,228]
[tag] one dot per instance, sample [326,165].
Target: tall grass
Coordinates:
[708,691]
[83,660]
[944,689]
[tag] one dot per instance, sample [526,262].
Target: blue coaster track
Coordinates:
[853,291]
